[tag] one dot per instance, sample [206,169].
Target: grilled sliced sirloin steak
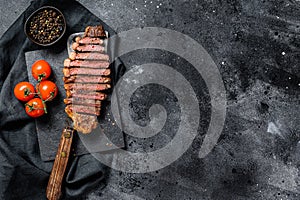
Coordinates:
[86,79]
[86,63]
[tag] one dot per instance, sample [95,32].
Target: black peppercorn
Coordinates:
[46,26]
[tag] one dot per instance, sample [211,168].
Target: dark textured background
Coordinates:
[255,45]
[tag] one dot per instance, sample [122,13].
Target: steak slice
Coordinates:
[84,63]
[81,122]
[83,91]
[86,79]
[84,94]
[87,47]
[94,31]
[84,109]
[89,56]
[87,71]
[82,101]
[89,40]
[87,87]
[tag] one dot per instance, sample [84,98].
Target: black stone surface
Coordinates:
[255,45]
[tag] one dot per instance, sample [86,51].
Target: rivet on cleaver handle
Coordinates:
[61,160]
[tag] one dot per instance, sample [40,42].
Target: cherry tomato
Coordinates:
[35,107]
[47,90]
[41,70]
[24,91]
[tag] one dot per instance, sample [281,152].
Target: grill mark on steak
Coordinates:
[87,71]
[86,79]
[89,56]
[84,63]
[87,87]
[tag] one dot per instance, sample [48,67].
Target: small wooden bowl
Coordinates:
[44,33]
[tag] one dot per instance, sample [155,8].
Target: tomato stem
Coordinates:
[30,107]
[41,76]
[51,96]
[45,109]
[27,92]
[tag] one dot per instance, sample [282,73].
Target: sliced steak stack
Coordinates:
[86,77]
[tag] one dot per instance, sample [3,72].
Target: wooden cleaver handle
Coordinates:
[61,160]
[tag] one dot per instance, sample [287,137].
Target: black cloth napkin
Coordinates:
[23,174]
